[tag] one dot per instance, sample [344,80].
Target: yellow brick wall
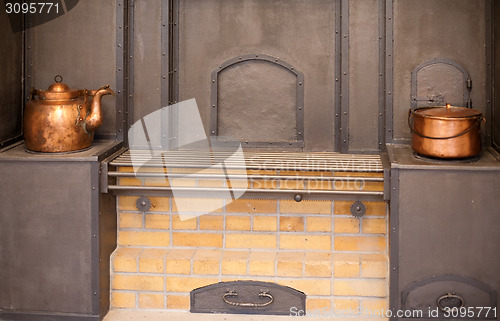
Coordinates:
[317,247]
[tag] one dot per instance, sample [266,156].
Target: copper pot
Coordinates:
[445,131]
[62,119]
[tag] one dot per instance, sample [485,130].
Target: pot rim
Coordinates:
[476,113]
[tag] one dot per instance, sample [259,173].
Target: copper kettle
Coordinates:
[62,119]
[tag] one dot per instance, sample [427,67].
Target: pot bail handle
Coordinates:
[413,130]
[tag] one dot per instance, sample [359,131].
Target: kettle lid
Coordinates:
[58,90]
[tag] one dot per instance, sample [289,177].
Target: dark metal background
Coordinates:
[11,61]
[56,235]
[81,46]
[496,75]
[444,221]
[302,33]
[428,29]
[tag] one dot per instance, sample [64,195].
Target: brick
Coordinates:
[178,302]
[292,184]
[211,222]
[137,282]
[265,223]
[183,222]
[306,207]
[129,181]
[346,225]
[359,174]
[211,183]
[206,261]
[291,224]
[238,223]
[346,265]
[187,284]
[373,186]
[305,242]
[197,239]
[197,205]
[374,265]
[306,173]
[151,301]
[179,261]
[251,206]
[374,305]
[289,264]
[160,204]
[122,300]
[127,203]
[318,184]
[152,261]
[372,208]
[240,183]
[310,286]
[250,241]
[184,182]
[157,221]
[125,259]
[360,243]
[318,224]
[360,287]
[156,182]
[265,183]
[261,171]
[130,220]
[126,169]
[346,305]
[341,184]
[235,262]
[142,238]
[262,263]
[318,305]
[318,264]
[374,225]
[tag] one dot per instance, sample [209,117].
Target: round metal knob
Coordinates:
[297,198]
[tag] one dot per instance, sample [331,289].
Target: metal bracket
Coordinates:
[358,209]
[143,204]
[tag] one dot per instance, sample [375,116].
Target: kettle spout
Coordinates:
[94,119]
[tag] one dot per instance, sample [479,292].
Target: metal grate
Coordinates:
[321,167]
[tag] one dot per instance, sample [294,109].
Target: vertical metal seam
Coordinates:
[394,242]
[121,42]
[389,72]
[165,72]
[175,49]
[382,71]
[489,113]
[344,82]
[338,60]
[129,119]
[94,237]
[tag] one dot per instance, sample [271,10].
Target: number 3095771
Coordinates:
[33,7]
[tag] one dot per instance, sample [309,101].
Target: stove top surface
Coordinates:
[402,156]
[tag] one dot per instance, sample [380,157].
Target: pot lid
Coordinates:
[58,91]
[447,111]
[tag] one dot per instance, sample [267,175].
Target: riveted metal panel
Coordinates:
[46,244]
[11,61]
[428,29]
[81,46]
[364,76]
[301,33]
[496,75]
[437,242]
[147,57]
